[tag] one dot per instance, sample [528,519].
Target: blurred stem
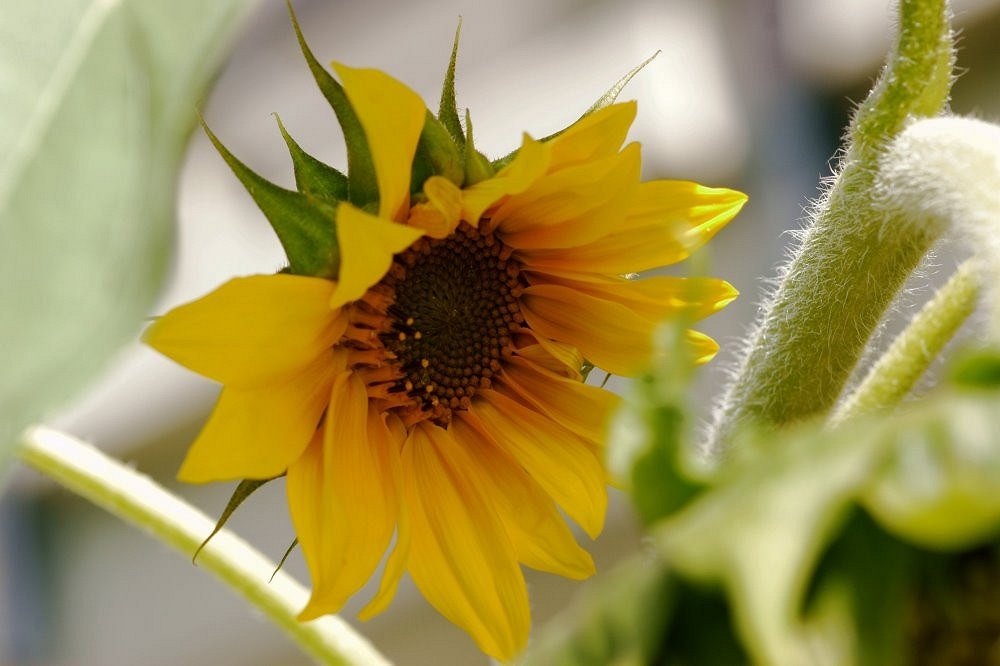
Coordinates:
[910,354]
[137,499]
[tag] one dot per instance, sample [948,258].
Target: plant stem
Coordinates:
[910,354]
[854,257]
[137,499]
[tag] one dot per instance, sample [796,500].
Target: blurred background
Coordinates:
[750,94]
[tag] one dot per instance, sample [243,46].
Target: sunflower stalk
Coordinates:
[136,499]
[910,354]
[854,256]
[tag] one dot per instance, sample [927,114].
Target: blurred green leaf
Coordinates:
[620,618]
[98,101]
[941,485]
[976,368]
[772,526]
[760,531]
[863,589]
[647,448]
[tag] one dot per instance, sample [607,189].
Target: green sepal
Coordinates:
[245,489]
[607,99]
[312,176]
[611,95]
[448,110]
[436,155]
[284,558]
[477,167]
[305,225]
[363,186]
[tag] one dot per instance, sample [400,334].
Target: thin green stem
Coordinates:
[910,354]
[138,500]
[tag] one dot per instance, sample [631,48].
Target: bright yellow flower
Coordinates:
[434,391]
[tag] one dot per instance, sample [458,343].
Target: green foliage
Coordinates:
[98,102]
[805,572]
[304,225]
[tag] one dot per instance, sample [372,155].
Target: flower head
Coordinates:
[433,389]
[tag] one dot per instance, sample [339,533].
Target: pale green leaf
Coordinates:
[99,98]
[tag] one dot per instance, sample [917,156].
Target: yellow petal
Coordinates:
[594,136]
[529,164]
[367,244]
[251,331]
[395,566]
[666,221]
[655,297]
[541,538]
[440,215]
[460,556]
[703,348]
[571,207]
[257,433]
[562,463]
[342,498]
[610,335]
[392,116]
[556,357]
[576,406]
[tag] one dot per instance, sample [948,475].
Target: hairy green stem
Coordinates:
[853,258]
[910,354]
[137,499]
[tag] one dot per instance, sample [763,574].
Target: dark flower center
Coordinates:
[454,311]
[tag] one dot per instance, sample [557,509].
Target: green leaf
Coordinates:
[305,226]
[448,111]
[363,186]
[760,531]
[928,478]
[312,176]
[941,486]
[477,167]
[99,99]
[244,489]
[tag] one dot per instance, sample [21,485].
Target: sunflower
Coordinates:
[433,391]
